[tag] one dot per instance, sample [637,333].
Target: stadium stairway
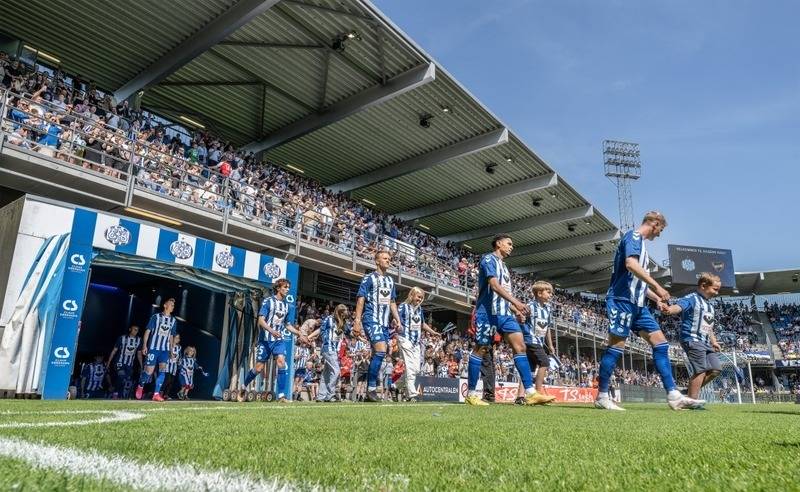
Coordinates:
[772,338]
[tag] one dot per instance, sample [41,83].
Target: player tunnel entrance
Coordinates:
[211,316]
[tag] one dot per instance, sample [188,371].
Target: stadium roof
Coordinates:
[334,88]
[747,283]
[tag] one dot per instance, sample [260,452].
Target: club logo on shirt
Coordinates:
[708,318]
[118,235]
[224,259]
[280,315]
[718,265]
[687,264]
[385,292]
[181,250]
[416,318]
[272,270]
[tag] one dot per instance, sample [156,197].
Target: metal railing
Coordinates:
[101,152]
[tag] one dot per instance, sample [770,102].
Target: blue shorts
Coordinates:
[487,324]
[376,332]
[624,316]
[265,350]
[156,357]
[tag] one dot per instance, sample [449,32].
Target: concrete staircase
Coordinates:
[769,332]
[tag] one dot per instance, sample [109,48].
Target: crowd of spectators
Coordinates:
[71,120]
[785,320]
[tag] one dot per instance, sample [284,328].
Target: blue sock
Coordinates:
[159,381]
[524,370]
[144,378]
[664,368]
[607,364]
[374,369]
[282,380]
[474,371]
[250,377]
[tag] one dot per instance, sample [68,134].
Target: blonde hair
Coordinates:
[705,279]
[413,292]
[382,251]
[339,317]
[188,348]
[541,285]
[655,216]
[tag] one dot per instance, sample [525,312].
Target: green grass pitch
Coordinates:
[424,446]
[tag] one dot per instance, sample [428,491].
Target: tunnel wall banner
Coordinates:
[89,230]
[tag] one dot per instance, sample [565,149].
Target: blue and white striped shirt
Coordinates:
[331,340]
[378,293]
[697,318]
[127,347]
[172,364]
[161,328]
[274,312]
[537,324]
[625,285]
[94,373]
[411,319]
[488,300]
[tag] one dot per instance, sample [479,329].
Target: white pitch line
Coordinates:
[111,416]
[127,473]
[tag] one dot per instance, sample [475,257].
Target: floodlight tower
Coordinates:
[623,166]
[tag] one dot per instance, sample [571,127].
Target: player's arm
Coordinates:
[671,309]
[111,357]
[145,337]
[314,334]
[633,266]
[549,342]
[299,334]
[714,343]
[395,313]
[262,323]
[519,308]
[171,347]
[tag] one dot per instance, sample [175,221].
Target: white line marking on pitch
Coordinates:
[111,416]
[127,473]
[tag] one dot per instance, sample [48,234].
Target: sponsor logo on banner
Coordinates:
[62,357]
[290,299]
[118,235]
[687,265]
[272,270]
[224,259]
[438,389]
[77,264]
[69,309]
[718,266]
[181,250]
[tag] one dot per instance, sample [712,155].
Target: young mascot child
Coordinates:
[538,342]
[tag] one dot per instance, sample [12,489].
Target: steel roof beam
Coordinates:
[264,44]
[571,263]
[218,29]
[569,242]
[373,96]
[425,161]
[216,83]
[478,197]
[518,225]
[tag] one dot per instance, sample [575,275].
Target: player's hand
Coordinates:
[520,317]
[716,346]
[522,309]
[663,307]
[356,330]
[144,351]
[662,293]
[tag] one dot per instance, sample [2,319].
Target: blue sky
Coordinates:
[710,90]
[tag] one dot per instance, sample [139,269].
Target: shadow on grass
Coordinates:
[776,412]
[785,444]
